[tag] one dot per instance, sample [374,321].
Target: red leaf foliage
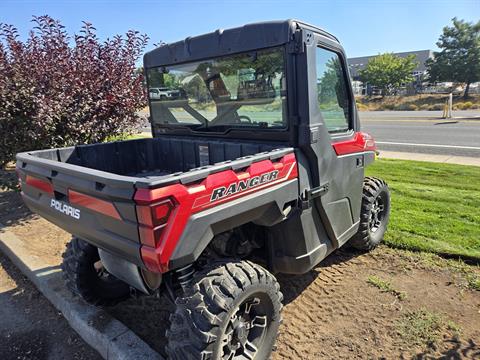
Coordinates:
[56,90]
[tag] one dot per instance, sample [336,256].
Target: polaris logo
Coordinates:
[236,187]
[65,209]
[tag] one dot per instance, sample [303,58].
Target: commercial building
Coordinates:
[358,63]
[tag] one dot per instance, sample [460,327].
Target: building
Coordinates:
[358,63]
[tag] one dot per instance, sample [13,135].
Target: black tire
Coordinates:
[214,308]
[374,214]
[96,287]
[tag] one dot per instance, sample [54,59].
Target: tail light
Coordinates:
[153,214]
[39,184]
[369,141]
[152,219]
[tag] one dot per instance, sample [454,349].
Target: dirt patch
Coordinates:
[348,307]
[45,239]
[334,309]
[341,313]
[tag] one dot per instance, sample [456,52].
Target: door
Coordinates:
[336,164]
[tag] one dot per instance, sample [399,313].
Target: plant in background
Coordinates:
[57,92]
[388,72]
[459,58]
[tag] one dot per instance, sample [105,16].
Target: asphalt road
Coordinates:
[422,132]
[30,327]
[425,132]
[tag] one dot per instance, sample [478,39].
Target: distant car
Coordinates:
[163,93]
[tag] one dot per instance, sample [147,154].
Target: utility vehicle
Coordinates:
[257,169]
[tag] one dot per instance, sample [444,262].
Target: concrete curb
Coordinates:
[447,159]
[101,331]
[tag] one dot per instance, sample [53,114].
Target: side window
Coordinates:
[332,92]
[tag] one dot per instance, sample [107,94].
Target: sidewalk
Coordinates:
[449,159]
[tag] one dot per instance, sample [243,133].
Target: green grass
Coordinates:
[386,286]
[435,207]
[469,276]
[423,327]
[122,137]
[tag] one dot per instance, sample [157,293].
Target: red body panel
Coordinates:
[198,197]
[359,143]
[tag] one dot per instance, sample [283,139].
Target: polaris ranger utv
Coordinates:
[256,168]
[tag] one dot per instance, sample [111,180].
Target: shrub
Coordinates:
[463,106]
[53,94]
[425,107]
[438,106]
[407,107]
[362,107]
[386,107]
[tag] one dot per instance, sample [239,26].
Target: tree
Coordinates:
[388,72]
[58,91]
[459,58]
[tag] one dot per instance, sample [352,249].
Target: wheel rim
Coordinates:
[246,329]
[377,214]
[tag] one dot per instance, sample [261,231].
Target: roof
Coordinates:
[224,42]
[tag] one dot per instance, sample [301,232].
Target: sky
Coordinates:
[364,27]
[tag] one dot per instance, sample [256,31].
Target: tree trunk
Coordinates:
[467,89]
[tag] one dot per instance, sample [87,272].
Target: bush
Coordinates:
[53,94]
[406,107]
[386,107]
[425,107]
[438,106]
[362,107]
[463,106]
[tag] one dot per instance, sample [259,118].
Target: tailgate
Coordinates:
[94,205]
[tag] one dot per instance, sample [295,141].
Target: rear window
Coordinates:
[239,91]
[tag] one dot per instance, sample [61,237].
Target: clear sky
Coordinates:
[364,27]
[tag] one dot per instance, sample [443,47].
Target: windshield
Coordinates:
[238,91]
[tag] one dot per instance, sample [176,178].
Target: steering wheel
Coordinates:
[246,118]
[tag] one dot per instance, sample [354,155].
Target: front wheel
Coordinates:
[374,214]
[230,311]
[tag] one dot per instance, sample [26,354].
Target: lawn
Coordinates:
[435,207]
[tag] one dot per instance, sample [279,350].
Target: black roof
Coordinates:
[223,42]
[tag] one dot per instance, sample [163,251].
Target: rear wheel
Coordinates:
[85,275]
[374,214]
[230,311]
